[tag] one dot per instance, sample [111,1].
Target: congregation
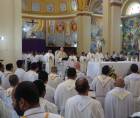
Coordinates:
[41,87]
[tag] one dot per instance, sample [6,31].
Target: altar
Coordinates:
[121,68]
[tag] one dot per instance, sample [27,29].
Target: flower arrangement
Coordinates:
[112,73]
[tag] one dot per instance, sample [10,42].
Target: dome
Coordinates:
[54,7]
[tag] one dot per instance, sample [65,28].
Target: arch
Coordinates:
[126,5]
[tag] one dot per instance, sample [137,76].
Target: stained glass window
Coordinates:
[74,5]
[133,8]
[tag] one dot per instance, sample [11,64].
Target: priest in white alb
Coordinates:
[83,62]
[119,103]
[49,60]
[132,84]
[60,55]
[54,79]
[81,105]
[65,90]
[102,84]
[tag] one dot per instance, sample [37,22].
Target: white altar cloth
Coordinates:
[121,68]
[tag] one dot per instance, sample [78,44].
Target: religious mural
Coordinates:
[57,33]
[61,33]
[131,34]
[97,40]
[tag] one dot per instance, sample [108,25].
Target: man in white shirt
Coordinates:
[49,90]
[102,84]
[54,79]
[65,90]
[20,71]
[132,84]
[119,103]
[7,73]
[26,102]
[49,60]
[31,75]
[45,104]
[81,105]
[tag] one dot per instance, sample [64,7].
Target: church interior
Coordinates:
[85,52]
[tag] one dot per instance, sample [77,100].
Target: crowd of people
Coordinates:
[44,93]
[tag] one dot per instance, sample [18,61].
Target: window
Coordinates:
[35,6]
[133,8]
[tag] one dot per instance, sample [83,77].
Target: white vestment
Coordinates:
[39,113]
[64,91]
[30,76]
[5,79]
[49,93]
[119,103]
[54,80]
[91,56]
[60,55]
[101,85]
[99,56]
[9,91]
[132,84]
[83,107]
[34,59]
[49,60]
[48,106]
[4,111]
[83,64]
[2,94]
[72,58]
[20,73]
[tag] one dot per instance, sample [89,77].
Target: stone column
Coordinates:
[106,25]
[10,28]
[115,31]
[84,33]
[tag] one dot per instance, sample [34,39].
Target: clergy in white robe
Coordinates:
[91,56]
[31,75]
[54,79]
[81,105]
[132,84]
[102,84]
[7,73]
[60,55]
[49,90]
[38,112]
[48,107]
[20,71]
[99,56]
[49,60]
[119,103]
[4,111]
[31,107]
[65,90]
[83,63]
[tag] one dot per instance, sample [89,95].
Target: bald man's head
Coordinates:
[119,83]
[82,85]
